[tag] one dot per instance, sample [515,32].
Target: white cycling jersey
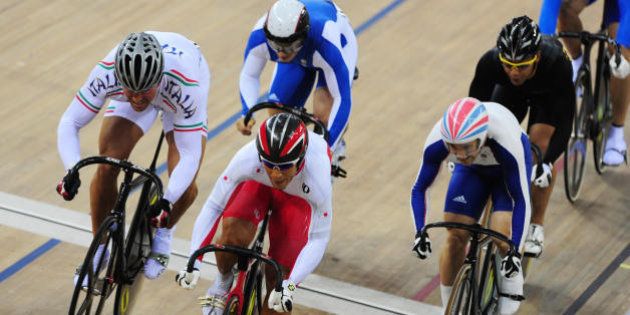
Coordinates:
[182,97]
[312,183]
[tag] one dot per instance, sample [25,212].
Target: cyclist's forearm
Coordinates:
[205,226]
[562,133]
[310,256]
[189,149]
[68,144]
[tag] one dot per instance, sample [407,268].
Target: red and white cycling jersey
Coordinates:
[182,97]
[312,184]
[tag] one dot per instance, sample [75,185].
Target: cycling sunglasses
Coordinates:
[518,65]
[285,48]
[279,166]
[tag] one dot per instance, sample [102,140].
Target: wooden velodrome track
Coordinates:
[415,58]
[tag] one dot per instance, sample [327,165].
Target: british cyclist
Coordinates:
[526,71]
[492,159]
[147,73]
[286,169]
[312,42]
[617,19]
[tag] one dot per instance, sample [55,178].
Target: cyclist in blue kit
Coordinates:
[617,20]
[312,43]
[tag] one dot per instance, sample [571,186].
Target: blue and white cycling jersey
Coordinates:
[329,53]
[614,11]
[502,167]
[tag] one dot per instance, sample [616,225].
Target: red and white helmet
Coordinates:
[282,138]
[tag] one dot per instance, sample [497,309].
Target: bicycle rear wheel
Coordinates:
[460,301]
[575,153]
[602,114]
[83,297]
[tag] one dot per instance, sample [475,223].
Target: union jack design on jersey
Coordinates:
[464,121]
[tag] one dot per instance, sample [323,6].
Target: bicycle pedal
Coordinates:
[95,290]
[212,300]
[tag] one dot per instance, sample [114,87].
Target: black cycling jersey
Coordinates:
[549,94]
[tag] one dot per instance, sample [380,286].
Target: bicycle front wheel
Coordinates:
[460,301]
[488,289]
[575,153]
[252,303]
[602,113]
[97,277]
[232,305]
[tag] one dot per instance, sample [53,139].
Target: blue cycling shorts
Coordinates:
[292,84]
[614,11]
[471,186]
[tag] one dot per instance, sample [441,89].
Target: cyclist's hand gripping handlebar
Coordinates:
[282,301]
[68,187]
[422,245]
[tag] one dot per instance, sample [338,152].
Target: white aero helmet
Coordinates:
[287,22]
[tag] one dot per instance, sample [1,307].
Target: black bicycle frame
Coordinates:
[478,239]
[244,254]
[588,40]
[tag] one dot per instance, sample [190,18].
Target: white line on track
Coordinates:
[316,291]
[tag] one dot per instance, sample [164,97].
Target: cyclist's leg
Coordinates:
[465,199]
[542,120]
[502,222]
[178,139]
[290,229]
[161,247]
[540,134]
[121,129]
[244,210]
[616,146]
[569,21]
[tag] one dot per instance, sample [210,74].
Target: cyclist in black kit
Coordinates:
[526,71]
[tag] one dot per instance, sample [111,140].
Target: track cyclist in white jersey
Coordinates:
[312,42]
[493,159]
[286,169]
[147,73]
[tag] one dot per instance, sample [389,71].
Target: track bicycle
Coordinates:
[246,297]
[98,280]
[593,113]
[307,118]
[476,286]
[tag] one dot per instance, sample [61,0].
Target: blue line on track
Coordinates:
[381,14]
[599,281]
[17,266]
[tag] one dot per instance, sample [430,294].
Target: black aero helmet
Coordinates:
[287,22]
[139,62]
[519,39]
[282,138]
